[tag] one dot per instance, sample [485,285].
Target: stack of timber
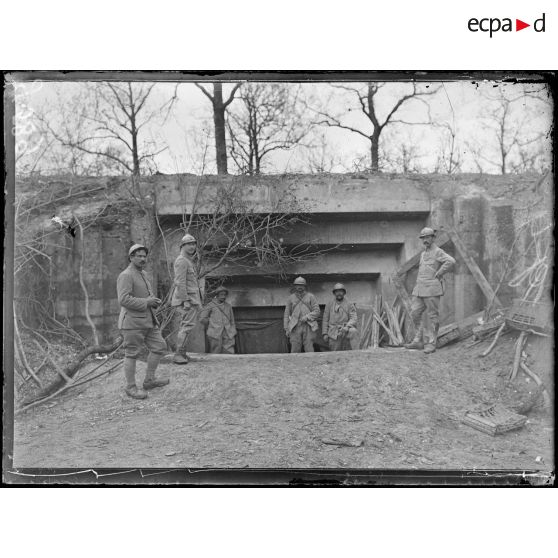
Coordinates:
[384,326]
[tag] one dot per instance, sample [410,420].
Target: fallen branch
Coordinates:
[495,340]
[517,358]
[21,354]
[71,370]
[68,386]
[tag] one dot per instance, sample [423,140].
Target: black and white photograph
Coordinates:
[260,271]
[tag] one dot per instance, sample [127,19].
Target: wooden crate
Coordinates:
[494,420]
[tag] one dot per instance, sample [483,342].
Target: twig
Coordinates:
[21,353]
[495,340]
[518,348]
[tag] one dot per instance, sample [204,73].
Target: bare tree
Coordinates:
[268,117]
[106,122]
[219,110]
[321,157]
[450,158]
[367,97]
[233,233]
[403,157]
[518,146]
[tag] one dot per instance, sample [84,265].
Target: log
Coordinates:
[485,330]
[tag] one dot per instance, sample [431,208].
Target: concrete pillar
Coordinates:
[468,220]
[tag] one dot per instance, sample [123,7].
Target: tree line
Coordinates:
[103,128]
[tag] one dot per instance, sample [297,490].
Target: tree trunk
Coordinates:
[374,152]
[219,122]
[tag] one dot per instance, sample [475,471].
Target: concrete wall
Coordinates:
[374,219]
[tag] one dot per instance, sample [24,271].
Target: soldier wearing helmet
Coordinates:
[434,264]
[300,319]
[218,318]
[339,321]
[186,296]
[138,323]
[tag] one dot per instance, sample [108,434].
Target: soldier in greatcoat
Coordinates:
[339,321]
[300,318]
[218,318]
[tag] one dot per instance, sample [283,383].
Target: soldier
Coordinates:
[339,321]
[138,323]
[300,318]
[218,318]
[434,263]
[186,297]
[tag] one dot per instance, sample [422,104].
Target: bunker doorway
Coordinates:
[260,330]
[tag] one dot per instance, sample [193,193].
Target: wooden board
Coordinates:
[484,285]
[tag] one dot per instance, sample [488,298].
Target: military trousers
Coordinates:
[188,320]
[134,339]
[432,306]
[302,336]
[347,342]
[223,345]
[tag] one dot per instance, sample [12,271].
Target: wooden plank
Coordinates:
[394,324]
[484,285]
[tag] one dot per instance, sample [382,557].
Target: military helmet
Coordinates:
[220,289]
[427,231]
[299,281]
[135,248]
[187,239]
[339,287]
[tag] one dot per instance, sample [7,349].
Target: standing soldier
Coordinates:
[300,318]
[218,317]
[186,295]
[339,321]
[138,324]
[434,263]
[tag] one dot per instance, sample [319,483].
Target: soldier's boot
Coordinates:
[150,382]
[430,347]
[130,373]
[414,344]
[180,356]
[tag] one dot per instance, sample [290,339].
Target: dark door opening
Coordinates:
[260,330]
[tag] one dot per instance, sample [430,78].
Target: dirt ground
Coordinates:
[385,408]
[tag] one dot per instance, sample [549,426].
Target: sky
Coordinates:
[188,132]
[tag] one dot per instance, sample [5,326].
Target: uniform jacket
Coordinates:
[133,288]
[185,285]
[336,315]
[297,308]
[432,260]
[220,318]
